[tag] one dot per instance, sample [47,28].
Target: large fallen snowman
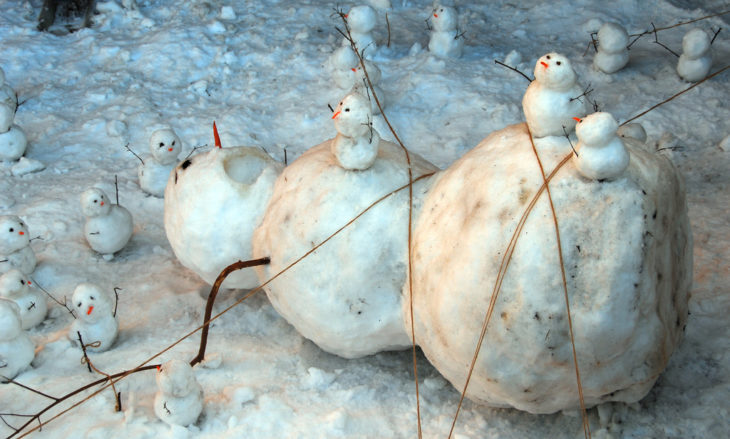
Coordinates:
[483,231]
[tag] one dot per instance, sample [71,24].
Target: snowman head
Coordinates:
[353,116]
[344,59]
[13,234]
[91,303]
[361,19]
[7,114]
[165,146]
[14,284]
[176,378]
[596,129]
[695,43]
[373,73]
[612,38]
[555,72]
[94,202]
[10,323]
[444,18]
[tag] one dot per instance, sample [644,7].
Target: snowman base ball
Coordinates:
[213,202]
[627,253]
[345,296]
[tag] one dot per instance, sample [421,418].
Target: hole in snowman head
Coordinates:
[244,169]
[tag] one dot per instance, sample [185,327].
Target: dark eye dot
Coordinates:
[548,57]
[95,201]
[12,230]
[442,10]
[347,109]
[558,63]
[22,282]
[78,305]
[173,143]
[91,297]
[161,144]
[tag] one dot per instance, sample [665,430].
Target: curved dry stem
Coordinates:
[506,258]
[584,414]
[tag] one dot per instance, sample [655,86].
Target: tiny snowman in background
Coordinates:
[632,130]
[356,143]
[553,98]
[612,53]
[601,155]
[361,20]
[15,250]
[179,399]
[16,348]
[343,67]
[445,39]
[153,174]
[108,226]
[95,319]
[12,138]
[361,85]
[15,286]
[7,94]
[696,59]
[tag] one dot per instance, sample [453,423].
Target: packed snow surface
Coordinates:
[258,70]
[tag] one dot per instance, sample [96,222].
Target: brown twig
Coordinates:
[656,41]
[90,365]
[116,300]
[63,304]
[513,68]
[133,153]
[715,36]
[678,94]
[387,23]
[647,32]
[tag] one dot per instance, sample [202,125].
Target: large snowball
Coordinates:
[627,255]
[345,296]
[213,202]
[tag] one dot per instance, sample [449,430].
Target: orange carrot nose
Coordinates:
[335,115]
[169,149]
[215,136]
[102,203]
[577,119]
[158,367]
[544,64]
[91,308]
[354,70]
[436,15]
[21,233]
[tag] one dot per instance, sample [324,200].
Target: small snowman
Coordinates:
[356,143]
[108,226]
[343,66]
[612,53]
[7,94]
[445,39]
[15,250]
[179,399]
[553,98]
[15,286]
[361,20]
[12,138]
[601,153]
[16,348]
[696,59]
[95,318]
[361,85]
[153,174]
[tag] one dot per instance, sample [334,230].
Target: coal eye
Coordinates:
[548,57]
[161,144]
[22,282]
[12,230]
[173,143]
[95,201]
[78,305]
[91,297]
[347,109]
[558,63]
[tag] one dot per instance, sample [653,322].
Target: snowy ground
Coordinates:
[258,73]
